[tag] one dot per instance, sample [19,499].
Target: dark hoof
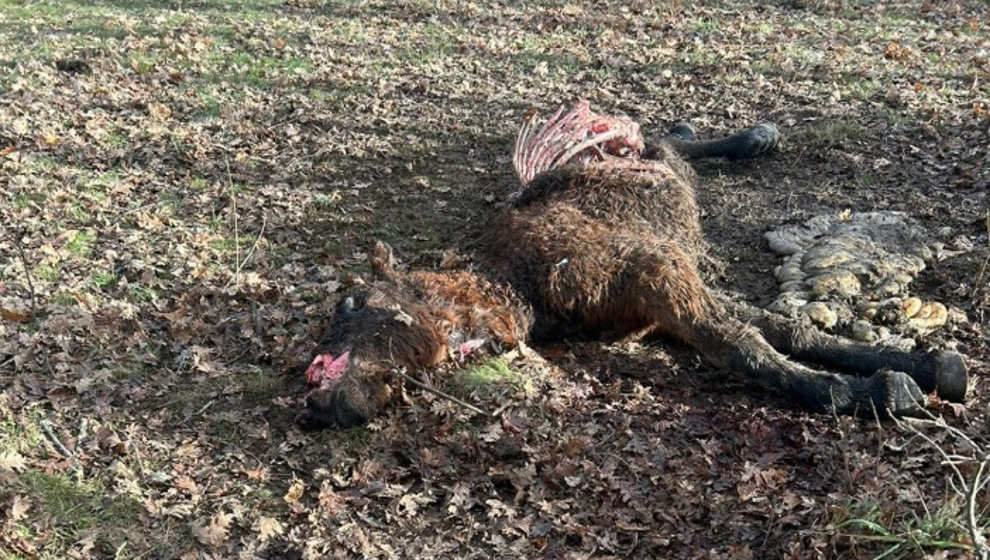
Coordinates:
[683,131]
[951,378]
[754,141]
[895,393]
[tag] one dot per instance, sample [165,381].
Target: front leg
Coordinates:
[751,142]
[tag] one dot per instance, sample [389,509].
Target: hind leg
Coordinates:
[663,286]
[944,372]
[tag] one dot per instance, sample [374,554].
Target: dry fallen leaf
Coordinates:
[19,507]
[268,527]
[15,315]
[215,532]
[12,461]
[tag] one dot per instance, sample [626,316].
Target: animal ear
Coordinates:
[383,260]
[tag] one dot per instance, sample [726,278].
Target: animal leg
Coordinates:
[660,284]
[943,372]
[750,142]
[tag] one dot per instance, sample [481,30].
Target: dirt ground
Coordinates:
[188,184]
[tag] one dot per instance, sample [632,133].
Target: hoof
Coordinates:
[754,141]
[951,378]
[895,393]
[683,131]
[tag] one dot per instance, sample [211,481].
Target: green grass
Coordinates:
[910,536]
[18,433]
[81,244]
[81,508]
[103,278]
[47,273]
[488,376]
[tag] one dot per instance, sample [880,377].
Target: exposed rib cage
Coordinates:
[564,136]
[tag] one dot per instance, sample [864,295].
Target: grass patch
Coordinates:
[47,273]
[81,244]
[488,376]
[103,278]
[869,526]
[18,433]
[81,508]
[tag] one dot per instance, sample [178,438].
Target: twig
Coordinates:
[237,240]
[967,489]
[250,253]
[46,428]
[979,541]
[202,409]
[254,246]
[27,271]
[439,393]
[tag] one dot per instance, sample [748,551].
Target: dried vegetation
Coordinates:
[185,186]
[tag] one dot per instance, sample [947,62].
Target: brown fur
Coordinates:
[611,247]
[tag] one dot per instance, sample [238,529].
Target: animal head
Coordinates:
[375,329]
[346,387]
[578,137]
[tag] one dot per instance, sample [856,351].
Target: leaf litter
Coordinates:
[187,187]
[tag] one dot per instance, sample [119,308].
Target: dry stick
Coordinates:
[237,241]
[424,386]
[27,271]
[247,257]
[439,393]
[250,253]
[46,428]
[979,541]
[969,490]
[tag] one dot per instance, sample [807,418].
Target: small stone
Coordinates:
[820,314]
